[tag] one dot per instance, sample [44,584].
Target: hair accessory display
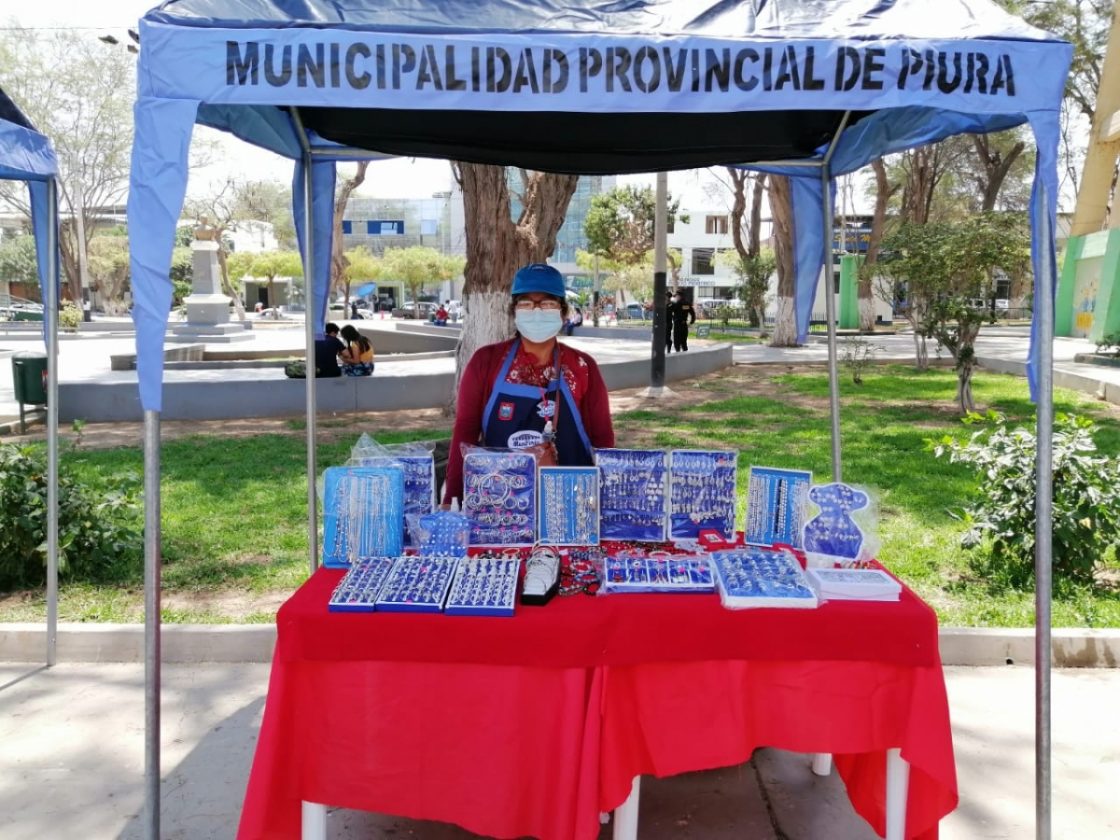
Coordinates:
[417,584]
[363,514]
[776,506]
[702,493]
[500,496]
[832,535]
[630,572]
[484,586]
[360,586]
[568,506]
[632,494]
[419,483]
[758,577]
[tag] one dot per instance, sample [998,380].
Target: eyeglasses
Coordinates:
[547,305]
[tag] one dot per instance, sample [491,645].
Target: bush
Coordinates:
[1109,345]
[99,528]
[1086,517]
[69,317]
[857,354]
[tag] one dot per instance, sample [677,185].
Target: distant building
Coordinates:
[699,244]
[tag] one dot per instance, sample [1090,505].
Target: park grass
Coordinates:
[234,508]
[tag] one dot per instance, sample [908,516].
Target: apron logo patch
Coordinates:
[519,440]
[546,408]
[505,411]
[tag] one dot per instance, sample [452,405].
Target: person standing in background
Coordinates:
[683,316]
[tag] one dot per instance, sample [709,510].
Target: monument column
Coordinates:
[207,307]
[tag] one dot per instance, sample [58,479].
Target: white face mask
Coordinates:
[538,325]
[674,299]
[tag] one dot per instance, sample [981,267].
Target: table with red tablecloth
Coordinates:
[535,724]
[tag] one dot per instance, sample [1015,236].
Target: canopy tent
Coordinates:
[808,88]
[27,155]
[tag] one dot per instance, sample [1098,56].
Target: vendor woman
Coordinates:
[531,383]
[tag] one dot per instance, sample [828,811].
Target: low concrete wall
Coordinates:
[1074,380]
[409,341]
[181,353]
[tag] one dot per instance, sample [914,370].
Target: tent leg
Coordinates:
[830,316]
[1043,534]
[52,424]
[151,624]
[626,814]
[309,324]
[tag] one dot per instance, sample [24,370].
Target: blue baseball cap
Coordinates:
[538,277]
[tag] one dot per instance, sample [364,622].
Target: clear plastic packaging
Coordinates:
[418,465]
[499,496]
[362,514]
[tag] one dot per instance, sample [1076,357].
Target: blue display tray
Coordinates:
[417,584]
[758,577]
[484,587]
[360,586]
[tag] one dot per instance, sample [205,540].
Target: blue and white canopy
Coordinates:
[568,86]
[26,155]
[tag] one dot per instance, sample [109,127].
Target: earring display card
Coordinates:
[417,584]
[568,505]
[360,586]
[484,586]
[776,506]
[758,577]
[632,494]
[633,573]
[419,483]
[499,498]
[363,514]
[702,493]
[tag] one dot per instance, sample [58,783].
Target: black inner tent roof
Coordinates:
[601,143]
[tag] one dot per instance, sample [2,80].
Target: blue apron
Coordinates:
[518,408]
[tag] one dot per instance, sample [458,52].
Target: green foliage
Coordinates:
[857,354]
[1109,345]
[754,275]
[18,263]
[99,532]
[417,266]
[109,268]
[619,224]
[69,317]
[1086,518]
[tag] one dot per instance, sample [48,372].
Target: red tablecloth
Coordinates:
[532,725]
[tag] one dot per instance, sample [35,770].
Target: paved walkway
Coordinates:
[72,763]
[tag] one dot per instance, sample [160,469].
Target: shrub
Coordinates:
[69,317]
[99,527]
[1109,345]
[1086,489]
[857,354]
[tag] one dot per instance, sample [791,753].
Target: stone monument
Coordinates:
[207,308]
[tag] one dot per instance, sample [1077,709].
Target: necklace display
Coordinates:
[484,586]
[702,492]
[360,586]
[639,572]
[499,496]
[776,506]
[363,514]
[568,506]
[417,584]
[632,494]
[758,577]
[419,484]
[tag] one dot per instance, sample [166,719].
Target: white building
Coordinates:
[699,242]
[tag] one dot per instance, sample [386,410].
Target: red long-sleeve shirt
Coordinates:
[481,375]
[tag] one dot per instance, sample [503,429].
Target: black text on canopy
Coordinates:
[813,88]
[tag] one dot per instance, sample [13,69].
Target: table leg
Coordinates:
[822,764]
[314,821]
[626,814]
[898,784]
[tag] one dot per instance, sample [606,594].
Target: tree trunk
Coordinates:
[227,285]
[497,246]
[785,324]
[995,166]
[341,199]
[964,389]
[738,209]
[921,352]
[754,226]
[883,193]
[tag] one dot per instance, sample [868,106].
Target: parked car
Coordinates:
[409,309]
[634,312]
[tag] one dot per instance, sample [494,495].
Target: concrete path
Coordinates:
[72,763]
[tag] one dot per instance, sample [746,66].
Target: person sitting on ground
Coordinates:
[327,349]
[357,356]
[441,316]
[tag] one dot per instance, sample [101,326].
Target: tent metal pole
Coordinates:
[830,297]
[52,422]
[151,624]
[309,336]
[1043,534]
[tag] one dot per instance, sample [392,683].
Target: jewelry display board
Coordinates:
[443,533]
[419,483]
[499,496]
[833,535]
[776,506]
[417,584]
[360,586]
[568,506]
[632,494]
[757,577]
[702,492]
[363,514]
[484,586]
[635,573]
